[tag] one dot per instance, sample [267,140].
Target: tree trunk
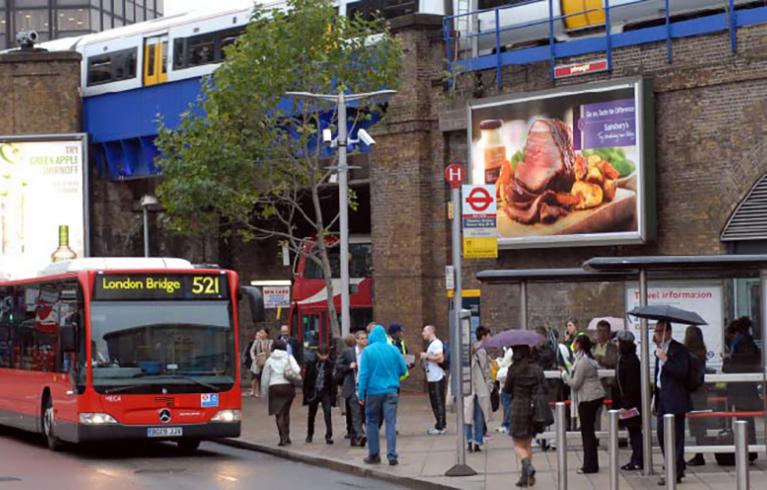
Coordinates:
[327,271]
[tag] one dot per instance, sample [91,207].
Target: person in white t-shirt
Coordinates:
[436,378]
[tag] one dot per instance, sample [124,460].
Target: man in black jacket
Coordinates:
[672,364]
[320,389]
[347,367]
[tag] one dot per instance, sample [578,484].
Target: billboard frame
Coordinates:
[82,138]
[645,127]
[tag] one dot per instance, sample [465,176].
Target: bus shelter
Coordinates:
[644,270]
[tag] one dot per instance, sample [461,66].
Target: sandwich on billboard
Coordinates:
[572,166]
[43,206]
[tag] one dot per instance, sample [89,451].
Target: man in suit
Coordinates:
[294,348]
[347,366]
[672,364]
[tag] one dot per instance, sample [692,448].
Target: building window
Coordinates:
[95,20]
[140,13]
[159,6]
[72,20]
[118,22]
[119,8]
[72,3]
[30,3]
[130,11]
[31,20]
[97,3]
[2,25]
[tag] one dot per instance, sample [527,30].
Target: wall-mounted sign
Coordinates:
[571,166]
[276,296]
[43,200]
[575,69]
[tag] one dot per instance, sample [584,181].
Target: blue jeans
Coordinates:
[376,408]
[478,426]
[506,403]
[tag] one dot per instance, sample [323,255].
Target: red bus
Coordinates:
[308,315]
[101,349]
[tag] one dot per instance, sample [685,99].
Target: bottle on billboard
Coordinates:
[494,151]
[63,252]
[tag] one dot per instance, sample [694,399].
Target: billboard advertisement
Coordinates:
[43,208]
[571,166]
[703,297]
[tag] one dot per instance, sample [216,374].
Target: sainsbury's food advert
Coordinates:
[567,165]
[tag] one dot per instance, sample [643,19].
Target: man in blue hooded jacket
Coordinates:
[381,367]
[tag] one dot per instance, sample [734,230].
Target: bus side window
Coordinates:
[6,326]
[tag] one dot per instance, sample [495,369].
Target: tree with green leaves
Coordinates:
[246,156]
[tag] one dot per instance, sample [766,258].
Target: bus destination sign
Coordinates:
[160,286]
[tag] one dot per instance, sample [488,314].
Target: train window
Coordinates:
[202,49]
[205,48]
[112,67]
[491,4]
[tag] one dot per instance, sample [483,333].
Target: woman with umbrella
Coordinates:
[523,380]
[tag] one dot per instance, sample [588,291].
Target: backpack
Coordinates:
[696,372]
[445,364]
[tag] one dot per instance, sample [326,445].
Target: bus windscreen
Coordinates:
[162,346]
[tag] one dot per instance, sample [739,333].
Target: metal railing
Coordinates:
[455,39]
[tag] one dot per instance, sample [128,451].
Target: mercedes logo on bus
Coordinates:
[164,415]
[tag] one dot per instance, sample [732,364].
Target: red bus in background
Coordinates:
[104,349]
[308,316]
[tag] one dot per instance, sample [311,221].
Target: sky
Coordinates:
[181,6]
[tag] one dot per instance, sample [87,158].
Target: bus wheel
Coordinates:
[188,445]
[53,442]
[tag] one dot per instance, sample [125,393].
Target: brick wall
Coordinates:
[40,93]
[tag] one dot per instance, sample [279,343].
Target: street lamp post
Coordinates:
[147,202]
[343,187]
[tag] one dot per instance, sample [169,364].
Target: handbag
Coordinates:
[291,375]
[495,398]
[542,416]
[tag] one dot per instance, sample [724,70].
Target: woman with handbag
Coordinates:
[524,381]
[280,375]
[259,353]
[477,406]
[588,390]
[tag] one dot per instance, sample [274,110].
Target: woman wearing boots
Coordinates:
[629,384]
[584,381]
[693,341]
[278,387]
[523,379]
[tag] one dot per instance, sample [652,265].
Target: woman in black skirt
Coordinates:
[278,375]
[522,381]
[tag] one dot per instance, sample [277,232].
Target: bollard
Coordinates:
[669,443]
[613,448]
[741,454]
[560,423]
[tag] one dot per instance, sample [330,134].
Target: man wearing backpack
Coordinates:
[436,378]
[672,369]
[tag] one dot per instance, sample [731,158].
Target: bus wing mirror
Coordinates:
[256,303]
[67,338]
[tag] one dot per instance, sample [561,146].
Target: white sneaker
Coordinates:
[502,430]
[435,432]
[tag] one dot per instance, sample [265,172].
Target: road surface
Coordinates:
[25,463]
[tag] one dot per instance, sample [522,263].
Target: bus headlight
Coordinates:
[227,416]
[96,419]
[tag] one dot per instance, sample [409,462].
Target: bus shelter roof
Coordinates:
[573,274]
[691,265]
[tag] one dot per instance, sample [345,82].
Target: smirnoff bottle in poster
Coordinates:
[63,252]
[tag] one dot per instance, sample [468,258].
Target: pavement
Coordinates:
[424,459]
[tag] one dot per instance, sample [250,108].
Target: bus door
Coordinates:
[156,59]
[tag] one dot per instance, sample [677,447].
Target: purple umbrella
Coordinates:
[513,337]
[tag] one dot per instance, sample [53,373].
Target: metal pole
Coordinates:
[460,468]
[741,454]
[523,304]
[645,380]
[146,231]
[343,209]
[561,428]
[669,438]
[613,449]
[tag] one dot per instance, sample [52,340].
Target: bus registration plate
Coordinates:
[164,431]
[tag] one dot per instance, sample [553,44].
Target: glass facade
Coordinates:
[53,19]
